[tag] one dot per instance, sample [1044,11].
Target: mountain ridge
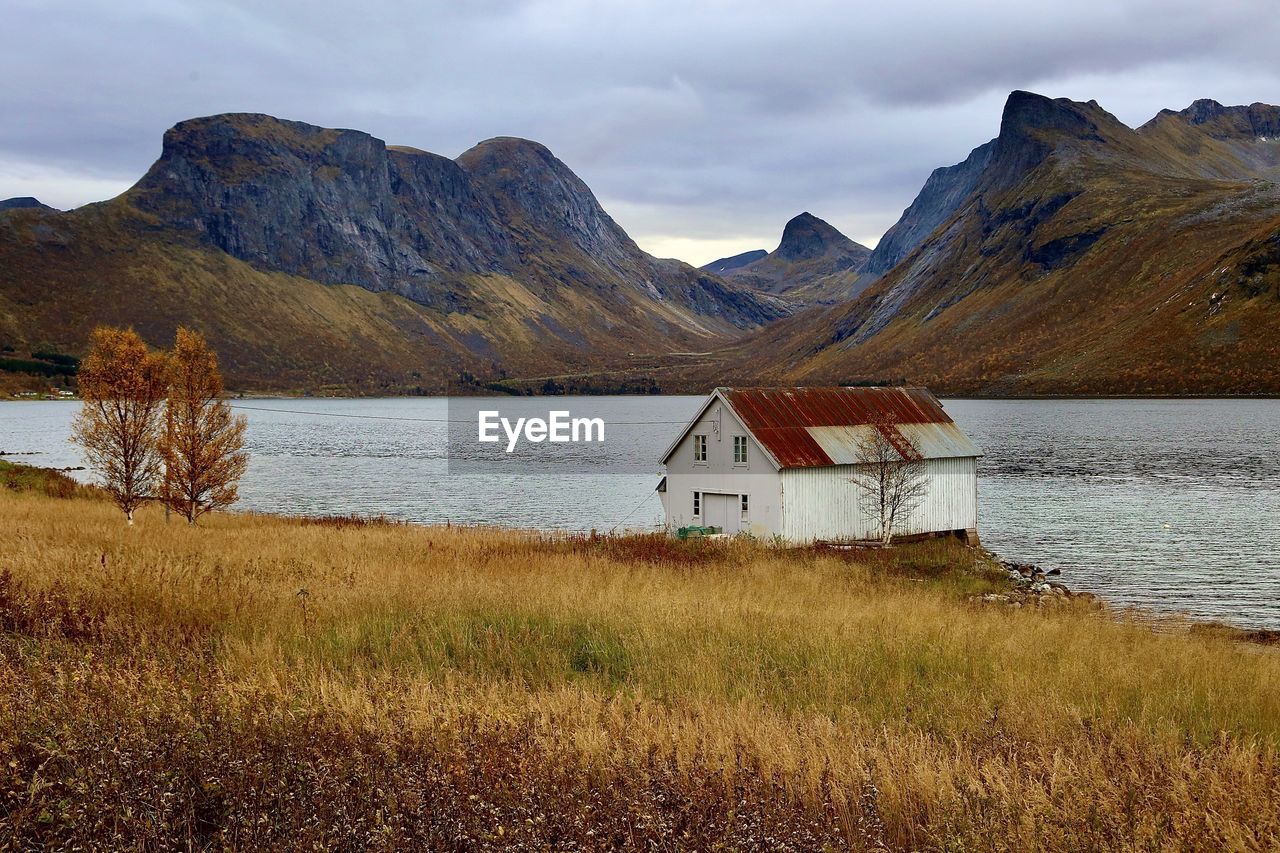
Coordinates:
[732,262]
[516,264]
[23,202]
[1072,254]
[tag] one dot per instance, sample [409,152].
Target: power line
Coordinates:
[627,517]
[402,418]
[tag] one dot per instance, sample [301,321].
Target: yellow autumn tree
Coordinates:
[202,443]
[123,385]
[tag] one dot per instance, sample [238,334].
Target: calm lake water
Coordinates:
[1171,505]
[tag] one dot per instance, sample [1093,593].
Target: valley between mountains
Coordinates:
[1071,254]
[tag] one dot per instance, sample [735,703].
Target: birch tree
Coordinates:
[203,443]
[890,475]
[123,385]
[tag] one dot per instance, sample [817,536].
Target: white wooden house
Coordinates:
[777,462]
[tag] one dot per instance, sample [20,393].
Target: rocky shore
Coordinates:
[1033,586]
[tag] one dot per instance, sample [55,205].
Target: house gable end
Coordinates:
[756,447]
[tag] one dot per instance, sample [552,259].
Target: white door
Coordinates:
[722,511]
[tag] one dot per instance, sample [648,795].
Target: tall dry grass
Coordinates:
[260,681]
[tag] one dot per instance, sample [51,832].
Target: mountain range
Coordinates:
[1071,254]
[323,258]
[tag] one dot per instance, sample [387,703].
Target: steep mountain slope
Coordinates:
[1072,254]
[813,264]
[312,255]
[944,192]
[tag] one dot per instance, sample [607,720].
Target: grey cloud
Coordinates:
[711,120]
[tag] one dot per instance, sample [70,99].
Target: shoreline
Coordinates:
[1029,584]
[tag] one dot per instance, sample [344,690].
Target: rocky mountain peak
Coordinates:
[1032,126]
[518,165]
[531,185]
[256,139]
[507,150]
[1027,111]
[806,237]
[814,263]
[1203,110]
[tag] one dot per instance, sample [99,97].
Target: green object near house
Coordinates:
[696,531]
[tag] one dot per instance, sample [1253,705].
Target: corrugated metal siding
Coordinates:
[821,503]
[931,441]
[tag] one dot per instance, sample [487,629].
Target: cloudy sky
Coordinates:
[701,126]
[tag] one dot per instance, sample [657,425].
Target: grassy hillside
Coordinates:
[264,682]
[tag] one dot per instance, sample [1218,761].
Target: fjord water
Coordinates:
[1168,505]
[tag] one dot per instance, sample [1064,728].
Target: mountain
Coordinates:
[942,194]
[814,264]
[1070,255]
[724,265]
[315,256]
[24,202]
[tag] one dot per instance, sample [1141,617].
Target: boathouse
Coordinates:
[778,462]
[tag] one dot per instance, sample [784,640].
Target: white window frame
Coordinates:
[700,449]
[740,441]
[697,504]
[744,506]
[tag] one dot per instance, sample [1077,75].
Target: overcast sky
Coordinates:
[701,126]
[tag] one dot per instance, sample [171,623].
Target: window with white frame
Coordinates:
[697,504]
[699,448]
[746,506]
[739,450]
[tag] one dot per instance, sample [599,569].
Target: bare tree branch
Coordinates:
[890,474]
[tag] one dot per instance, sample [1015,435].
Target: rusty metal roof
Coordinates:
[813,427]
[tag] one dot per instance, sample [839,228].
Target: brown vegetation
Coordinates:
[154,426]
[264,682]
[123,386]
[202,444]
[46,481]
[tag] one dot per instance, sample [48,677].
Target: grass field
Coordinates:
[266,682]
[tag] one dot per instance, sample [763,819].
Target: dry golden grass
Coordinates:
[258,681]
